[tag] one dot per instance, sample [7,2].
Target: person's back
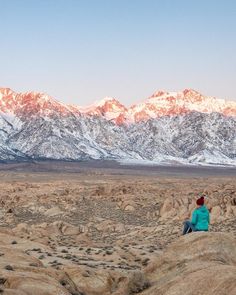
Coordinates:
[201,218]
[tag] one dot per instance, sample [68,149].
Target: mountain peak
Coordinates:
[6,91]
[193,96]
[106,100]
[30,103]
[40,98]
[108,107]
[160,93]
[187,91]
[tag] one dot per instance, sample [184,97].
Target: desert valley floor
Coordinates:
[79,228]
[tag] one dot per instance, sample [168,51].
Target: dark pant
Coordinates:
[188,227]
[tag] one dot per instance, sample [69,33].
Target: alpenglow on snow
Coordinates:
[168,127]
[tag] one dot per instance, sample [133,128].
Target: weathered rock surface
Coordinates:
[199,263]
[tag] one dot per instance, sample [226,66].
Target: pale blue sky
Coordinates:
[79,51]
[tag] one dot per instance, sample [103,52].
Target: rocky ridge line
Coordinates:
[173,128]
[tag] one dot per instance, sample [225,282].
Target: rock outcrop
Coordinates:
[198,263]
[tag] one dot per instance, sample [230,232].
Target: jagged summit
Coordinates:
[106,100]
[190,91]
[109,108]
[108,103]
[185,92]
[5,91]
[30,104]
[162,93]
[163,103]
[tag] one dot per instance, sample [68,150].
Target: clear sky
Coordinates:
[79,51]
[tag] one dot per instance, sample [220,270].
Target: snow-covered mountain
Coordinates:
[175,103]
[168,127]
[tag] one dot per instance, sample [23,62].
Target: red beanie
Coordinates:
[200,201]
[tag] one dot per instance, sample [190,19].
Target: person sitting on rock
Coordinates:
[200,218]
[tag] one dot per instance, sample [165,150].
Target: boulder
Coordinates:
[215,214]
[90,281]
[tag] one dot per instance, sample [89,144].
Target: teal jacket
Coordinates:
[201,218]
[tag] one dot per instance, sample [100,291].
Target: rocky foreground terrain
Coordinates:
[97,233]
